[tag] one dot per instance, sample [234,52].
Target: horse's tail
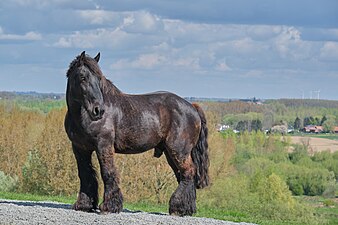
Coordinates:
[200,154]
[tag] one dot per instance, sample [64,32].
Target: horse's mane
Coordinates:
[107,87]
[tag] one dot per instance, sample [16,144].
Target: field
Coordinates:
[254,176]
[317,144]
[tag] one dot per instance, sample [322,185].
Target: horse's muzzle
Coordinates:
[97,112]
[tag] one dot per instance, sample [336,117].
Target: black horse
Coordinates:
[101,118]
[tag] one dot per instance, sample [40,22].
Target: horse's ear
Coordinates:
[83,55]
[97,57]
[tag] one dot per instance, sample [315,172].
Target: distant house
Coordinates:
[313,129]
[335,130]
[222,127]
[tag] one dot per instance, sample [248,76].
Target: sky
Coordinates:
[194,48]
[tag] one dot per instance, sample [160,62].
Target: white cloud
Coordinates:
[253,74]
[329,51]
[29,36]
[148,61]
[263,32]
[142,22]
[99,17]
[222,66]
[37,3]
[143,61]
[92,38]
[290,45]
[152,42]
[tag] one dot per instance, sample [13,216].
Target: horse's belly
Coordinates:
[131,144]
[133,149]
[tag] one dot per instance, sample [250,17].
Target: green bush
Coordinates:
[296,187]
[7,183]
[269,199]
[298,153]
[34,173]
[331,189]
[302,180]
[275,198]
[327,160]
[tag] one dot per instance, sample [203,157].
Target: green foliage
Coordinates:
[273,192]
[253,174]
[298,153]
[297,124]
[7,183]
[328,203]
[329,123]
[327,160]
[270,199]
[256,125]
[33,101]
[34,175]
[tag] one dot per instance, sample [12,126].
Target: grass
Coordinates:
[326,136]
[38,198]
[329,214]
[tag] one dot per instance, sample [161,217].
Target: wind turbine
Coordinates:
[302,93]
[318,92]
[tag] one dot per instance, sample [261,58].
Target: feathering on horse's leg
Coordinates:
[112,197]
[183,200]
[87,199]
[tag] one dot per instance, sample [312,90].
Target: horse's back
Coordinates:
[154,118]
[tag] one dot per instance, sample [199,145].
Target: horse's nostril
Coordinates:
[96,111]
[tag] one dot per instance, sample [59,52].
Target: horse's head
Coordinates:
[84,77]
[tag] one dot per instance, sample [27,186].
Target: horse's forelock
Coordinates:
[89,62]
[106,86]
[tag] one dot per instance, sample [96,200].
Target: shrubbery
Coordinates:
[7,183]
[252,174]
[267,176]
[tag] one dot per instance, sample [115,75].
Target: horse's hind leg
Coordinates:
[183,200]
[88,196]
[173,167]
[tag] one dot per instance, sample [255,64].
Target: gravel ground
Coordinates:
[27,212]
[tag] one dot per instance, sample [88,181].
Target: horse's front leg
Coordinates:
[112,197]
[88,196]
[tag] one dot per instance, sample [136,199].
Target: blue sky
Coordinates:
[214,48]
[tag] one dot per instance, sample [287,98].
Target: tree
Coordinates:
[256,125]
[280,129]
[242,125]
[309,121]
[297,124]
[268,120]
[329,123]
[323,120]
[317,121]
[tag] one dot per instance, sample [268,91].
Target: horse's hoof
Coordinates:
[181,214]
[110,208]
[82,207]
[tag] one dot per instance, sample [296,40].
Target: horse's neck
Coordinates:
[108,88]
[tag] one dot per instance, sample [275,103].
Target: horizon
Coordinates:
[215,49]
[221,99]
